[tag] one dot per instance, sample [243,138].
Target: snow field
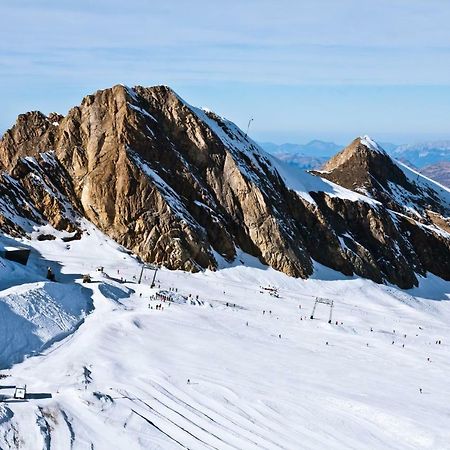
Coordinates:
[121,379]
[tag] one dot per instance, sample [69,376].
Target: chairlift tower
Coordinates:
[324,301]
[148,267]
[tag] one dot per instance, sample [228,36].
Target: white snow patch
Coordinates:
[252,371]
[371,144]
[142,111]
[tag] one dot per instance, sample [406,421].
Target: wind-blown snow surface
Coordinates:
[34,311]
[121,379]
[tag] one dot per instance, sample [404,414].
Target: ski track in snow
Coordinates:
[119,379]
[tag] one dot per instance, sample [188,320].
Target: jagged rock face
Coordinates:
[373,241]
[30,132]
[180,186]
[402,246]
[150,173]
[365,167]
[41,196]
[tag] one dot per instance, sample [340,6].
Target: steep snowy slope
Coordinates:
[439,172]
[34,311]
[243,367]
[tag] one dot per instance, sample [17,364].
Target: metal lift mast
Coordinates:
[325,301]
[149,267]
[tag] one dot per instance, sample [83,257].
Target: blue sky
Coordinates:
[323,69]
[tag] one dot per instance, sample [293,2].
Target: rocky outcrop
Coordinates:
[365,167]
[184,188]
[409,228]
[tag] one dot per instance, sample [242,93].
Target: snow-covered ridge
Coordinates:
[368,142]
[296,179]
[425,182]
[248,194]
[242,145]
[303,183]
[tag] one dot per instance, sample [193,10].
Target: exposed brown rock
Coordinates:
[371,171]
[176,185]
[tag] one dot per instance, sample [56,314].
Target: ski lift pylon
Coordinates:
[324,301]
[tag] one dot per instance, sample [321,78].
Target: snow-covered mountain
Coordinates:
[315,148]
[431,158]
[183,187]
[228,349]
[364,166]
[424,154]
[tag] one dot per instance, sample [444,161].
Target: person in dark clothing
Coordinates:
[50,274]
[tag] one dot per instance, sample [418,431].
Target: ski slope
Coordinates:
[262,374]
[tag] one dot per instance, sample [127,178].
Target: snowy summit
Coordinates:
[371,144]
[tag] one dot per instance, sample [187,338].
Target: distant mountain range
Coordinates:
[423,154]
[430,158]
[439,172]
[314,148]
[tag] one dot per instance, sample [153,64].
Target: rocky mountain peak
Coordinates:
[363,153]
[26,137]
[186,188]
[365,167]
